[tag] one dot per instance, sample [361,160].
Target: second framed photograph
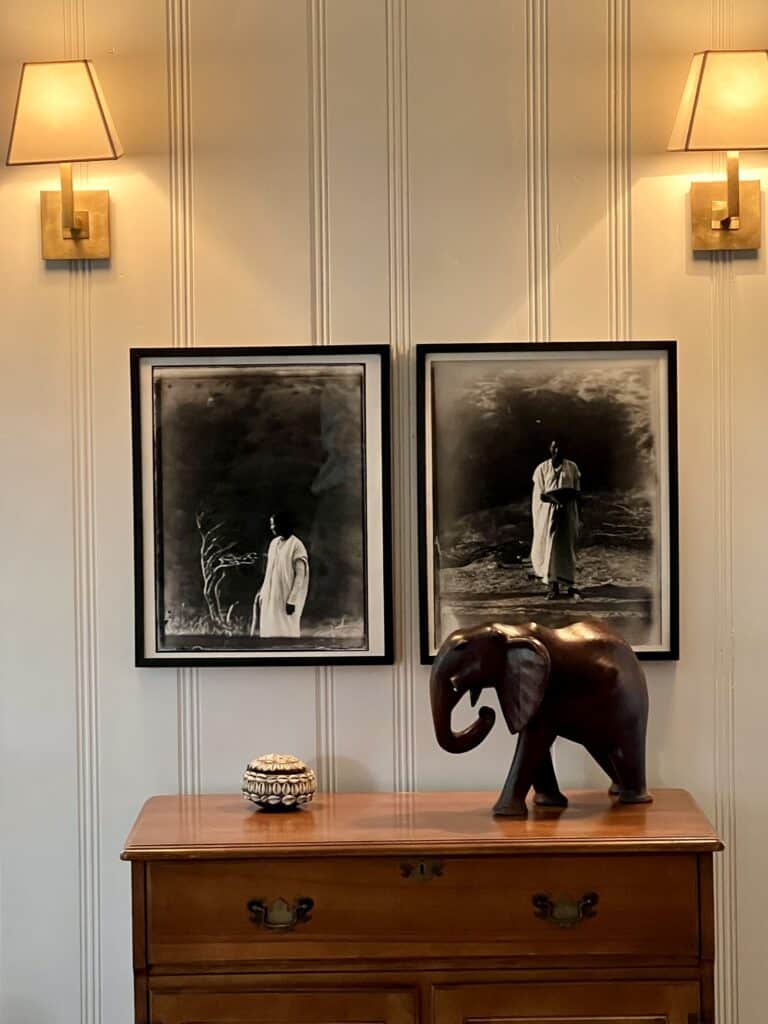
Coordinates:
[262,505]
[548,488]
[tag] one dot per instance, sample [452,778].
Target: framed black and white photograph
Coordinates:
[548,488]
[262,505]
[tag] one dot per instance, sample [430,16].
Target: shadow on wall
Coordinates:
[353,776]
[663,692]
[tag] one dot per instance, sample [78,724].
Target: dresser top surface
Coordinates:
[222,826]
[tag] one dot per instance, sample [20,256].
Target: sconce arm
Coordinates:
[67,197]
[726,214]
[732,164]
[73,224]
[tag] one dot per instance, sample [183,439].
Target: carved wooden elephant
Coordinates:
[582,682]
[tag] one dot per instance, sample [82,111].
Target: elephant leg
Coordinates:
[532,744]
[605,762]
[629,762]
[545,784]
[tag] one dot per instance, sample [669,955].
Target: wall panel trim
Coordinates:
[188,710]
[726,896]
[86,668]
[537,166]
[723,19]
[86,646]
[404,401]
[320,278]
[619,171]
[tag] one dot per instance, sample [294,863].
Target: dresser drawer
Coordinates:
[347,908]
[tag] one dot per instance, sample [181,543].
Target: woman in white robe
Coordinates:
[280,601]
[555,523]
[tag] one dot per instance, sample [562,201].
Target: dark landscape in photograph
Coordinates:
[233,447]
[493,423]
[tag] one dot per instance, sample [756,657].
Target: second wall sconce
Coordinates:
[724,107]
[61,117]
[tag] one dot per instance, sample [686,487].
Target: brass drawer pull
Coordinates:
[422,870]
[279,915]
[565,912]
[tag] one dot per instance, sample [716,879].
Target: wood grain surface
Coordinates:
[422,908]
[475,908]
[352,824]
[586,1003]
[351,1006]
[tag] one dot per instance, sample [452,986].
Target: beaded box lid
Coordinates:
[278,782]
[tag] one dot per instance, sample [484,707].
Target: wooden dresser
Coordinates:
[396,909]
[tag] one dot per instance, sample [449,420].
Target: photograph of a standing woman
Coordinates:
[280,600]
[549,488]
[242,519]
[262,505]
[555,513]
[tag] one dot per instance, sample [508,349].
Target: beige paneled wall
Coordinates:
[346,171]
[249,98]
[250,149]
[131,732]
[467,203]
[467,185]
[357,169]
[578,170]
[748,386]
[38,744]
[672,297]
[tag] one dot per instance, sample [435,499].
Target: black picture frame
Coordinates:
[444,453]
[222,434]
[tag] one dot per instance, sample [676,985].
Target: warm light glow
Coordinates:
[61,116]
[724,103]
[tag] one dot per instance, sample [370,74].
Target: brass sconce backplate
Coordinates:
[90,244]
[709,239]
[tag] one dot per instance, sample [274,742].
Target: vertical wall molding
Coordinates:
[723,16]
[537,166]
[86,667]
[86,651]
[182,317]
[404,400]
[318,173]
[320,277]
[724,711]
[619,192]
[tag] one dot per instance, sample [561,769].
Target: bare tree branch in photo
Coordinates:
[216,559]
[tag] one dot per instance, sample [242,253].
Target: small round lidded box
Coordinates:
[278,782]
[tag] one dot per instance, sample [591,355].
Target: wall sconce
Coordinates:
[61,117]
[724,107]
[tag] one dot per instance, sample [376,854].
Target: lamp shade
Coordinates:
[61,116]
[724,103]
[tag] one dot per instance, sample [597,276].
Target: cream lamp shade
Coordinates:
[61,116]
[725,102]
[724,106]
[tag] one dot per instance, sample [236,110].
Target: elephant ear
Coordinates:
[526,673]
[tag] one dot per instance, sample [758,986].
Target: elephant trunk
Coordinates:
[444,699]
